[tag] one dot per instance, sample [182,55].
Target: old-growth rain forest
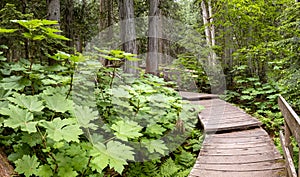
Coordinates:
[92,88]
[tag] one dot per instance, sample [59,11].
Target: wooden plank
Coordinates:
[209,103]
[226,123]
[238,151]
[196,96]
[225,127]
[291,118]
[269,173]
[226,117]
[251,132]
[252,158]
[257,166]
[217,113]
[289,161]
[235,153]
[236,146]
[240,139]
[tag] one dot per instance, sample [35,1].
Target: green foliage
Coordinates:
[193,73]
[125,130]
[258,98]
[45,128]
[179,163]
[67,130]
[113,154]
[27,165]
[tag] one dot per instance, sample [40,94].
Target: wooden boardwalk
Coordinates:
[235,145]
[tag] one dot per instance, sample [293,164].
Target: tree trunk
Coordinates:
[212,26]
[212,32]
[153,40]
[53,10]
[206,23]
[69,27]
[102,15]
[209,30]
[128,34]
[6,170]
[53,14]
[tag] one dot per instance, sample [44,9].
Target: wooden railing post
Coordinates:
[291,129]
[287,136]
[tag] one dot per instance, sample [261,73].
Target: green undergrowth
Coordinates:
[78,118]
[260,100]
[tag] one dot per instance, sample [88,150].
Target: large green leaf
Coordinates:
[66,129]
[15,83]
[27,165]
[45,171]
[85,115]
[58,103]
[113,154]
[19,118]
[155,146]
[155,129]
[4,94]
[31,103]
[127,129]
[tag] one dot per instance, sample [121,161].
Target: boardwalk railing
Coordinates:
[291,129]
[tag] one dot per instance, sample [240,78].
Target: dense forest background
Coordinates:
[247,51]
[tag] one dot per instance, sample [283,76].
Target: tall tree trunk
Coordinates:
[102,4]
[110,18]
[206,23]
[69,27]
[212,26]
[153,40]
[53,10]
[128,34]
[53,14]
[212,31]
[209,29]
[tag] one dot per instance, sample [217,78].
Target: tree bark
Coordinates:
[128,33]
[206,23]
[53,10]
[69,27]
[153,40]
[53,14]
[209,30]
[6,170]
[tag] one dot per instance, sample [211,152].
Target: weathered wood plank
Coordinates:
[291,118]
[245,133]
[292,128]
[196,96]
[253,158]
[236,146]
[289,161]
[214,139]
[257,166]
[224,117]
[226,127]
[202,173]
